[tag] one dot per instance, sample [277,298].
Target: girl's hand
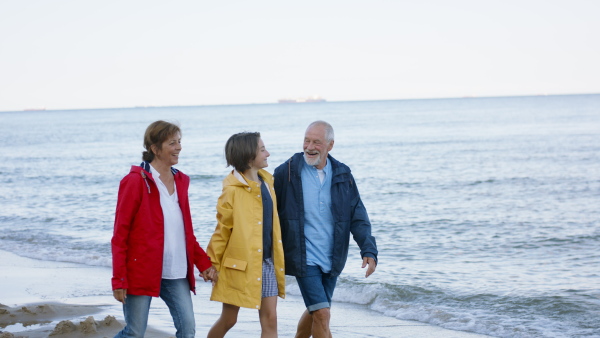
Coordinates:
[214,277]
[210,274]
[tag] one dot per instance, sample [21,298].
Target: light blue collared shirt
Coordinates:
[318,220]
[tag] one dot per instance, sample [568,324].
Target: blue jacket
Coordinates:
[348,211]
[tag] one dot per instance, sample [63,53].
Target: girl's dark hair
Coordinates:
[157,133]
[240,149]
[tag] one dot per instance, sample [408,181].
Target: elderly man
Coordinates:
[319,207]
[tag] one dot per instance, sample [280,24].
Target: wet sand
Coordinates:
[55,299]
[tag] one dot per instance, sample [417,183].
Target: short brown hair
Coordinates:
[240,149]
[157,133]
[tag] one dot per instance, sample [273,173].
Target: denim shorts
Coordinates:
[316,288]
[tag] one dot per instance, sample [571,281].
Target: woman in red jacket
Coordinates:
[153,246]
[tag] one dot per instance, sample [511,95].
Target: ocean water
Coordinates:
[485,210]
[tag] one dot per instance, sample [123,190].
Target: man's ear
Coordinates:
[330,145]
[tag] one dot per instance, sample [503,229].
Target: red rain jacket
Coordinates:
[138,238]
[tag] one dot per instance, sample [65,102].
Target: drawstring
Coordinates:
[144,177]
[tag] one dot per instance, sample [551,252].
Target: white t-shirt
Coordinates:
[321,175]
[174,254]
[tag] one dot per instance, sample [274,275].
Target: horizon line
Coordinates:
[300,103]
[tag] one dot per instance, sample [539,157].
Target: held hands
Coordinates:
[371,262]
[120,295]
[210,274]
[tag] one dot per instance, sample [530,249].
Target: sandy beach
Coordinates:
[55,299]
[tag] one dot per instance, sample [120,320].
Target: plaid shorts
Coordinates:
[269,281]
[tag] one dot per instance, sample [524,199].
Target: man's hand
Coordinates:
[371,262]
[120,295]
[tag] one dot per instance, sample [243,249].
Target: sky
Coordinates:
[73,54]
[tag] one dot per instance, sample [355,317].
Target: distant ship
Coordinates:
[310,99]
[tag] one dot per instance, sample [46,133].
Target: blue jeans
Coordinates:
[316,288]
[176,294]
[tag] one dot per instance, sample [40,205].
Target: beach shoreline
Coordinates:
[57,299]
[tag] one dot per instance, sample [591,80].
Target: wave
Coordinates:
[572,314]
[57,250]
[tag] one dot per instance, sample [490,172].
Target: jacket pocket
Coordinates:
[235,275]
[235,264]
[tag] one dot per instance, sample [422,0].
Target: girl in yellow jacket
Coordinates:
[246,247]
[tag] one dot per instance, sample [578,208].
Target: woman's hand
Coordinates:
[206,273]
[120,295]
[210,274]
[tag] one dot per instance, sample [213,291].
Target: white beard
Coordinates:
[314,162]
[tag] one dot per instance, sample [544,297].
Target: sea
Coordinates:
[485,210]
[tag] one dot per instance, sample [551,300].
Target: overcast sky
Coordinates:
[64,54]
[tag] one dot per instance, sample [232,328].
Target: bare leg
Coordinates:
[305,326]
[225,322]
[268,317]
[320,326]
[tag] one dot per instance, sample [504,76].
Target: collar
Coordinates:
[240,177]
[146,166]
[153,171]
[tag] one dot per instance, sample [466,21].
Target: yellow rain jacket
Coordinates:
[235,248]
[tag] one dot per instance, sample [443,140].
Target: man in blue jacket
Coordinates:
[319,207]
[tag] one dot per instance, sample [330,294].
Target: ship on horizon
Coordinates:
[310,99]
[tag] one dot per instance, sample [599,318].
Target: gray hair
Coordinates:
[329,136]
